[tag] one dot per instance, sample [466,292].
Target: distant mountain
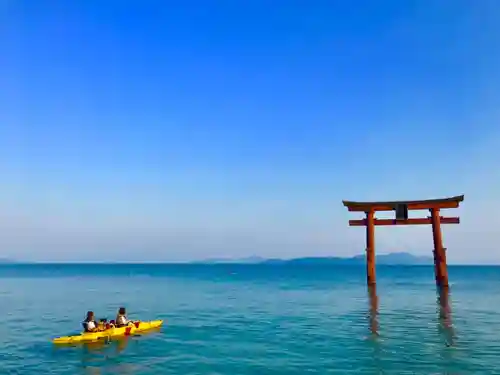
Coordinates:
[404,258]
[6,260]
[248,260]
[383,259]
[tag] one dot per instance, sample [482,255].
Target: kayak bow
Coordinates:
[131,329]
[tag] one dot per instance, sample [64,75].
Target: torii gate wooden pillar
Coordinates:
[401,208]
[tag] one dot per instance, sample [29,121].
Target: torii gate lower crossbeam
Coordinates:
[401,208]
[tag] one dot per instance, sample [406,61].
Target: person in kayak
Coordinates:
[102,325]
[121,317]
[89,324]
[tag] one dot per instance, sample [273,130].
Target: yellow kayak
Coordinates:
[131,329]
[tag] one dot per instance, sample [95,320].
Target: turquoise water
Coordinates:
[252,319]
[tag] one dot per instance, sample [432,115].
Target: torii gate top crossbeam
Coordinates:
[452,202]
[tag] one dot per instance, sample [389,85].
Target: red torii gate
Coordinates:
[401,208]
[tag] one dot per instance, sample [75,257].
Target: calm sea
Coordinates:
[253,319]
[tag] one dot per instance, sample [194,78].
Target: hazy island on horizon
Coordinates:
[401,258]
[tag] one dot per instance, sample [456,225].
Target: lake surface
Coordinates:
[253,319]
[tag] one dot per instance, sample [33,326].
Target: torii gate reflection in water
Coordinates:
[401,208]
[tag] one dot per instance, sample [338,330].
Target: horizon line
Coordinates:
[223,263]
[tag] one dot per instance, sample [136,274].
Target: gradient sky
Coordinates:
[175,130]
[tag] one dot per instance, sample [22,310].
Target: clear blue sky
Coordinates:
[174,130]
